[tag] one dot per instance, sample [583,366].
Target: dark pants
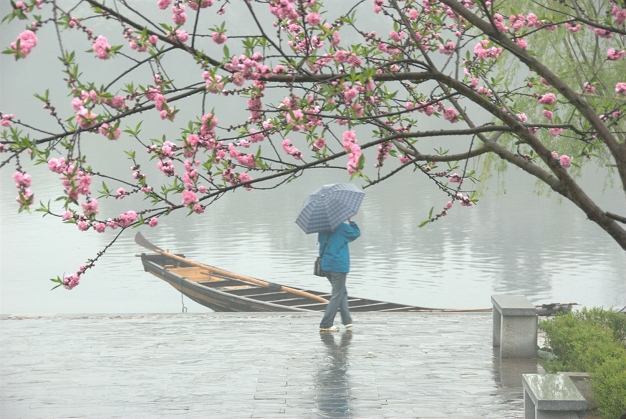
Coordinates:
[338,300]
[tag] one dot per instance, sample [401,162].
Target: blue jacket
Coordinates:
[336,257]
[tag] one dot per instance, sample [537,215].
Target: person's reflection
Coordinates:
[333,388]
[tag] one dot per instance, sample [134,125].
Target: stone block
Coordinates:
[552,396]
[514,326]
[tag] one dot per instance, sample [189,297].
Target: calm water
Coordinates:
[513,242]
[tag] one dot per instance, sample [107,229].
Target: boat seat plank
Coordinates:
[197,274]
[223,283]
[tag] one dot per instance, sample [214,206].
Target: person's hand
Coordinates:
[350,219]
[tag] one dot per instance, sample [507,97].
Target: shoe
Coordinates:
[329,329]
[347,326]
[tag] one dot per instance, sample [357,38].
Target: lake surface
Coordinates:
[514,242]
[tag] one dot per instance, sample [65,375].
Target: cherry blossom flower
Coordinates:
[620,88]
[613,55]
[313,18]
[179,17]
[102,48]
[27,41]
[447,49]
[90,207]
[291,150]
[588,88]
[351,146]
[573,28]
[219,37]
[127,218]
[6,120]
[193,4]
[451,115]
[555,132]
[565,161]
[548,99]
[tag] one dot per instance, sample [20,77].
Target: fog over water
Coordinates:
[513,241]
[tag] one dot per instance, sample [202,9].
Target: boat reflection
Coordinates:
[332,384]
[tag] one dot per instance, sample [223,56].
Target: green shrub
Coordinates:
[592,341]
[608,383]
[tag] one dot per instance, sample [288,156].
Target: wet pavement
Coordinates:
[235,365]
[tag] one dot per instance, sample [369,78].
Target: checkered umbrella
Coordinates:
[329,206]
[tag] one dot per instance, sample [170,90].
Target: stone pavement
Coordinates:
[266,365]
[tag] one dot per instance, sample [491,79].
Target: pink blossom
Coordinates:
[601,33]
[555,155]
[396,36]
[118,102]
[67,215]
[127,218]
[350,94]
[613,55]
[71,281]
[620,15]
[572,28]
[102,48]
[189,197]
[77,104]
[522,43]
[219,37]
[56,165]
[153,222]
[448,204]
[121,193]
[455,178]
[566,161]
[404,159]
[180,35]
[451,115]
[198,209]
[90,207]
[484,53]
[27,41]
[555,131]
[620,88]
[193,4]
[313,18]
[83,225]
[164,4]
[318,144]
[110,131]
[548,115]
[22,180]
[179,17]
[85,118]
[6,120]
[548,99]
[100,227]
[291,150]
[447,49]
[588,88]
[413,14]
[350,145]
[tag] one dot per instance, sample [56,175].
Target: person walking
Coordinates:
[335,262]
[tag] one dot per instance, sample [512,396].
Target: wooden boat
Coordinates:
[226,291]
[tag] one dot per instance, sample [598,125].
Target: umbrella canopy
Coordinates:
[329,206]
